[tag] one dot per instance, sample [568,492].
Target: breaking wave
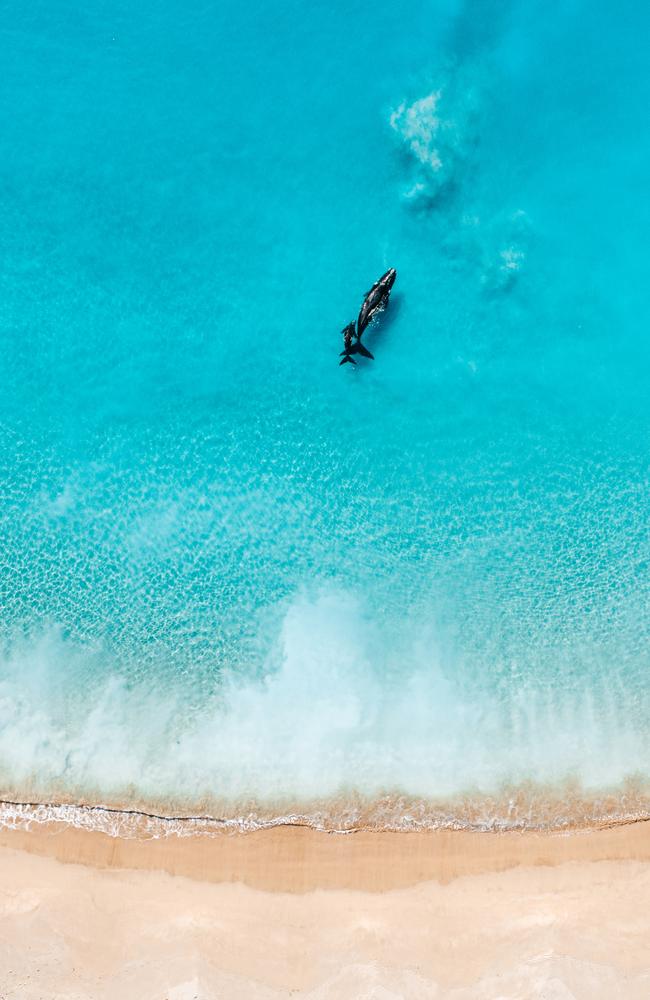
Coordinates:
[328,731]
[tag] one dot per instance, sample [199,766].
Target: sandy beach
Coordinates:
[294,912]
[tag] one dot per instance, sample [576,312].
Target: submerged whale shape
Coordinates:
[376,300]
[349,347]
[352,346]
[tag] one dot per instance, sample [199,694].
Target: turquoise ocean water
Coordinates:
[237,579]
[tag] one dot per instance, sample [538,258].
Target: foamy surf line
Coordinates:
[386,815]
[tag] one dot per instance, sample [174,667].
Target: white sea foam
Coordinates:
[437,132]
[497,246]
[430,140]
[420,126]
[333,717]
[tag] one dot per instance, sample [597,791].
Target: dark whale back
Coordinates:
[376,299]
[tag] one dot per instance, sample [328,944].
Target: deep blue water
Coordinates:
[231,569]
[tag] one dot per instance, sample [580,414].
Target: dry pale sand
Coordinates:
[291,912]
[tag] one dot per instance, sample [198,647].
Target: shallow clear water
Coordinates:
[236,577]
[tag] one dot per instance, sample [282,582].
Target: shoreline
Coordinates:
[299,859]
[525,808]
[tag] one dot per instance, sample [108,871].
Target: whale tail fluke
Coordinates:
[358,348]
[346,359]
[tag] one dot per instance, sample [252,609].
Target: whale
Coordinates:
[349,346]
[376,299]
[352,345]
